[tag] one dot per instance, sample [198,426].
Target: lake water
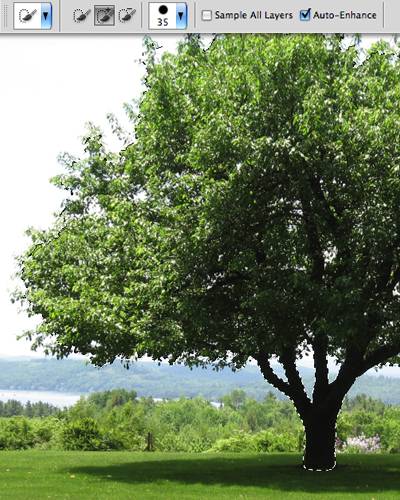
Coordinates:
[59,399]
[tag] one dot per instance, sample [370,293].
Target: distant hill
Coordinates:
[164,381]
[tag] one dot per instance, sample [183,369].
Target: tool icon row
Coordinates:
[161,16]
[104,15]
[38,16]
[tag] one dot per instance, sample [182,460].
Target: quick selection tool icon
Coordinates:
[104,15]
[81,15]
[33,16]
[125,15]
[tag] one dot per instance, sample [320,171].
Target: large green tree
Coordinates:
[255,215]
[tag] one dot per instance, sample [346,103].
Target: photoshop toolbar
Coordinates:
[255,16]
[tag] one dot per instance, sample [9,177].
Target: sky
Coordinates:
[49,88]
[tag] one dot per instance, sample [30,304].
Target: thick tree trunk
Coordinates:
[319,415]
[320,431]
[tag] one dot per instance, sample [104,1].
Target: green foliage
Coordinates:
[13,408]
[364,403]
[256,211]
[235,399]
[47,432]
[271,441]
[16,433]
[109,399]
[195,425]
[390,435]
[239,442]
[268,441]
[83,434]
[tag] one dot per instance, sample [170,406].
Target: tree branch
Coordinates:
[381,284]
[270,376]
[349,371]
[227,280]
[330,217]
[299,395]
[395,279]
[313,240]
[380,355]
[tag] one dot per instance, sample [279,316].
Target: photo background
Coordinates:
[50,86]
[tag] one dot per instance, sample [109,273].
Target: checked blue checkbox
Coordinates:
[305,15]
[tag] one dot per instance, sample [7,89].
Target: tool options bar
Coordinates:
[202,16]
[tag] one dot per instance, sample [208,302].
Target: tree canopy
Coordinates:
[255,214]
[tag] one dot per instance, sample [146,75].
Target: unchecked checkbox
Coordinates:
[206,15]
[305,14]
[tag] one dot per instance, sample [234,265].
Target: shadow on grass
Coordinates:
[356,473]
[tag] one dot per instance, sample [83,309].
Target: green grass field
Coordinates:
[124,475]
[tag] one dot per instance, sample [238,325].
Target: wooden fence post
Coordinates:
[150,442]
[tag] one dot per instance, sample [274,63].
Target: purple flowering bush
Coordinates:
[361,444]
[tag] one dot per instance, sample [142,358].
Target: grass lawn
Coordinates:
[164,476]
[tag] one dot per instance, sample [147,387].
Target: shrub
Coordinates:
[189,440]
[362,444]
[16,434]
[120,438]
[82,434]
[270,441]
[46,432]
[240,441]
[390,436]
[265,442]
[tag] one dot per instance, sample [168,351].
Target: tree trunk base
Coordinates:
[317,467]
[320,453]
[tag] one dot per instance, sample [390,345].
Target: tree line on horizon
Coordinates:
[119,420]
